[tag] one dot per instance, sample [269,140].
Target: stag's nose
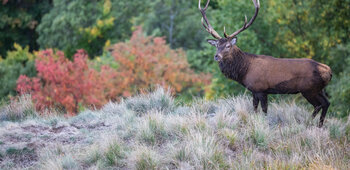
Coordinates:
[217,57]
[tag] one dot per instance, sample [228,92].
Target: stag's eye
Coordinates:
[228,46]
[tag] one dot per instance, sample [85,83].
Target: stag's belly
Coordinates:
[285,87]
[291,86]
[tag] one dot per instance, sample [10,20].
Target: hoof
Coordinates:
[320,125]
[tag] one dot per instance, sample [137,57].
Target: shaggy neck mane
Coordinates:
[236,65]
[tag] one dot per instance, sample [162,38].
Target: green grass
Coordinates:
[145,161]
[15,151]
[114,155]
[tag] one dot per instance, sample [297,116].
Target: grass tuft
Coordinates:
[153,130]
[18,109]
[160,100]
[114,155]
[145,158]
[68,162]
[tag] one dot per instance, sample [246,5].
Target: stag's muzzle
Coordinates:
[217,57]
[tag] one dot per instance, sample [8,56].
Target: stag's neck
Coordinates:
[235,66]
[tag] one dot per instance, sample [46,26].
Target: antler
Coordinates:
[207,25]
[245,25]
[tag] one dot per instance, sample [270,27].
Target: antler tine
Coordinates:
[241,29]
[246,25]
[225,32]
[207,25]
[206,5]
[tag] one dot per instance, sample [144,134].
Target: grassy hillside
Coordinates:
[153,132]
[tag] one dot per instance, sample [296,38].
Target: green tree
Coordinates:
[125,13]
[18,22]
[178,20]
[76,24]
[60,27]
[310,29]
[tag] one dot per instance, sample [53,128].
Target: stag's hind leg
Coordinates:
[325,104]
[312,99]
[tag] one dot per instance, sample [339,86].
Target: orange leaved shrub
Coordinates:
[146,61]
[143,62]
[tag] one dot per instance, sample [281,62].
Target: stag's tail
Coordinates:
[325,73]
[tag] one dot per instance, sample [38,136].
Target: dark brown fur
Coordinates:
[236,67]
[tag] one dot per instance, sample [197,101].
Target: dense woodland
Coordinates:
[75,54]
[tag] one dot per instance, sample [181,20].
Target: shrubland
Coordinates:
[122,71]
[76,71]
[153,131]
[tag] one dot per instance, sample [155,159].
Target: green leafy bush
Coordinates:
[340,93]
[18,62]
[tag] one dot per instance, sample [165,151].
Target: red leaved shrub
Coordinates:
[142,63]
[61,82]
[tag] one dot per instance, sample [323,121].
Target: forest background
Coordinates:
[76,54]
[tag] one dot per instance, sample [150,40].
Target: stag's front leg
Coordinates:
[263,101]
[255,102]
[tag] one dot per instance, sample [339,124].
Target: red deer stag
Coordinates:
[263,75]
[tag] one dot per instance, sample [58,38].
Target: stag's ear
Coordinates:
[213,42]
[233,41]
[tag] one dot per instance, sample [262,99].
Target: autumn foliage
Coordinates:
[143,62]
[147,61]
[61,82]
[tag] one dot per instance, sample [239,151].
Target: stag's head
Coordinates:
[225,45]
